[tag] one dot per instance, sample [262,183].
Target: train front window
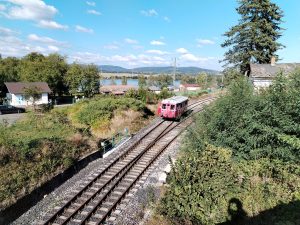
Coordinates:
[163,106]
[172,107]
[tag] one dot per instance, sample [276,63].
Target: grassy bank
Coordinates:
[36,148]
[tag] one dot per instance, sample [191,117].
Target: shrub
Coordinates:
[205,184]
[240,162]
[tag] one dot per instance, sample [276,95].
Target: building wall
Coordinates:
[192,88]
[183,88]
[19,100]
[261,83]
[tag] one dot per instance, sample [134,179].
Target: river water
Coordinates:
[130,81]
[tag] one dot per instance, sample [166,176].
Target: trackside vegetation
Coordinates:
[41,145]
[240,162]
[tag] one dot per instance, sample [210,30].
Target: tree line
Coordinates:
[62,78]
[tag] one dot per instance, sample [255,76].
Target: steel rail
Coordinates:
[87,186]
[100,201]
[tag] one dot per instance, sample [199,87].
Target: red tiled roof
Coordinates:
[20,87]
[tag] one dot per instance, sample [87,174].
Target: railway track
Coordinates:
[106,188]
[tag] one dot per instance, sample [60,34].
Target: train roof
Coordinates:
[174,100]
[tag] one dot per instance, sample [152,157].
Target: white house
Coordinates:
[262,75]
[16,93]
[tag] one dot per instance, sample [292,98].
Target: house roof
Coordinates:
[20,87]
[116,88]
[153,88]
[190,85]
[270,71]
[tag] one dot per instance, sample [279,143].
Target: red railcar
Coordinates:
[173,108]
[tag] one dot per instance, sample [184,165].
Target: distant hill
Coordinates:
[154,70]
[113,69]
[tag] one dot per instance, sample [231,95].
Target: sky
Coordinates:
[132,33]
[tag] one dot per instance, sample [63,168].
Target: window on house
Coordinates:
[172,107]
[163,106]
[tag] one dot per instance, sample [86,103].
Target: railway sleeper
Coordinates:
[88,193]
[132,176]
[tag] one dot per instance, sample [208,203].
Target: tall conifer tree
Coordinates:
[254,39]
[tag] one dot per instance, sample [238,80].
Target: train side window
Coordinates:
[172,107]
[163,106]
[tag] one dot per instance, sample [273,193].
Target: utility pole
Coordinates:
[174,72]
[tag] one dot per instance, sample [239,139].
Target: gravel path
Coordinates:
[37,213]
[11,118]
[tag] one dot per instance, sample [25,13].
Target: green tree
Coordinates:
[83,79]
[164,80]
[142,81]
[186,79]
[124,80]
[8,72]
[73,78]
[231,75]
[202,79]
[151,81]
[254,39]
[35,67]
[91,79]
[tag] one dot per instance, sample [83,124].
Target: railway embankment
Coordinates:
[49,146]
[135,153]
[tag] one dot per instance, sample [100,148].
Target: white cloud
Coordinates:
[91,3]
[12,45]
[2,7]
[125,60]
[182,51]
[202,42]
[192,58]
[157,52]
[167,19]
[154,42]
[137,47]
[111,47]
[30,10]
[35,10]
[83,29]
[131,41]
[45,40]
[52,25]
[53,48]
[6,32]
[150,12]
[94,12]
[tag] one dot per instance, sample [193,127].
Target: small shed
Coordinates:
[262,75]
[189,87]
[116,89]
[154,89]
[16,93]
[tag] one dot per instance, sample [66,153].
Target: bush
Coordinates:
[240,162]
[91,112]
[200,187]
[204,185]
